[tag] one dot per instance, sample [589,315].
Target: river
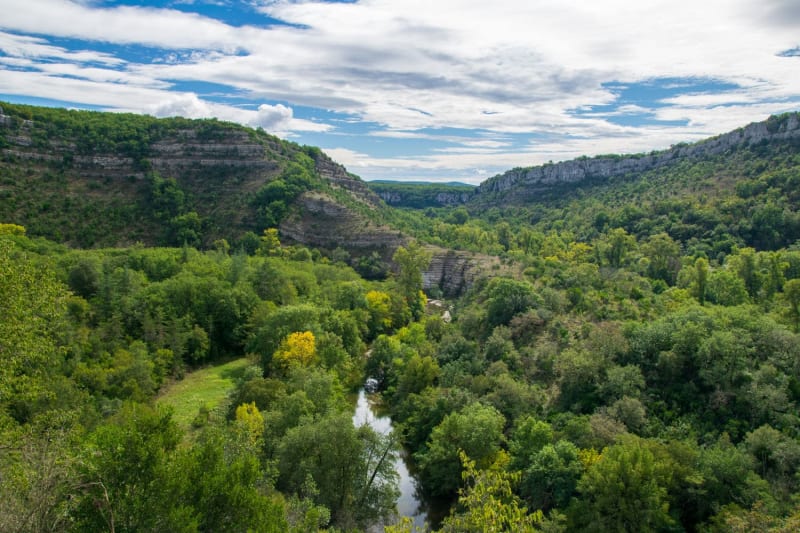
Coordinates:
[407,504]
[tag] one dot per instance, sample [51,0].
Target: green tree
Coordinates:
[617,245]
[624,491]
[745,265]
[725,288]
[412,262]
[508,297]
[488,504]
[477,430]
[791,293]
[351,468]
[550,479]
[701,280]
[32,305]
[664,255]
[125,477]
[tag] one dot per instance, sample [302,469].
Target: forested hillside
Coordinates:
[629,359]
[102,179]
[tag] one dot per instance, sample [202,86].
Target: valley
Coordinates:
[191,308]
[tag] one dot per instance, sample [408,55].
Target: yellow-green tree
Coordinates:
[489,503]
[791,292]
[270,243]
[250,420]
[11,229]
[379,305]
[297,349]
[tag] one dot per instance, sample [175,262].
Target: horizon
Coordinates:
[407,91]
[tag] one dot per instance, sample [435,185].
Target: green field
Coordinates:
[208,386]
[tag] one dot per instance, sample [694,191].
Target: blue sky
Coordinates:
[418,90]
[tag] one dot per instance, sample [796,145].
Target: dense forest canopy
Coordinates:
[631,364]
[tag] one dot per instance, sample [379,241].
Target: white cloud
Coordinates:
[420,69]
[165,28]
[181,105]
[273,117]
[37,47]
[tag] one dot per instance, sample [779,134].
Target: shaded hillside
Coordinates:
[100,179]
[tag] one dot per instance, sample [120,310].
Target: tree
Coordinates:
[745,266]
[618,244]
[664,255]
[297,349]
[32,305]
[124,470]
[488,503]
[624,491]
[508,297]
[271,328]
[270,243]
[351,468]
[477,430]
[412,262]
[725,288]
[701,281]
[791,292]
[380,316]
[251,422]
[550,479]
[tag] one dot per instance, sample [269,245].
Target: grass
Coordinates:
[207,386]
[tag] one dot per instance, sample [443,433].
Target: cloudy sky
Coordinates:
[437,90]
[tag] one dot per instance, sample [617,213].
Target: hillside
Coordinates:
[100,179]
[528,184]
[733,191]
[92,179]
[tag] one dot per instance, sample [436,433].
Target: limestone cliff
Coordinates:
[525,183]
[453,271]
[321,221]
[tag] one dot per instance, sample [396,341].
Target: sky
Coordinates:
[432,90]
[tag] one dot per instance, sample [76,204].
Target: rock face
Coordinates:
[323,222]
[338,176]
[527,181]
[180,153]
[455,271]
[439,199]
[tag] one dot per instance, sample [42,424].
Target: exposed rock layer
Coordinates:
[526,181]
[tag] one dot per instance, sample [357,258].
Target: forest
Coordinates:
[632,364]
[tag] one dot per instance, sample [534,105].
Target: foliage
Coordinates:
[297,348]
[629,362]
[489,503]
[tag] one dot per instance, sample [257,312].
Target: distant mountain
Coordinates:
[413,182]
[420,195]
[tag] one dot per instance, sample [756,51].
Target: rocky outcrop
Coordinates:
[321,221]
[526,181]
[454,271]
[437,199]
[338,176]
[453,198]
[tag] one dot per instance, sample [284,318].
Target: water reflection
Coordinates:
[408,503]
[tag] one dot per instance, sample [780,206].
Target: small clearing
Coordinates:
[207,386]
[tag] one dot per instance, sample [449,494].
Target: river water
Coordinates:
[407,504]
